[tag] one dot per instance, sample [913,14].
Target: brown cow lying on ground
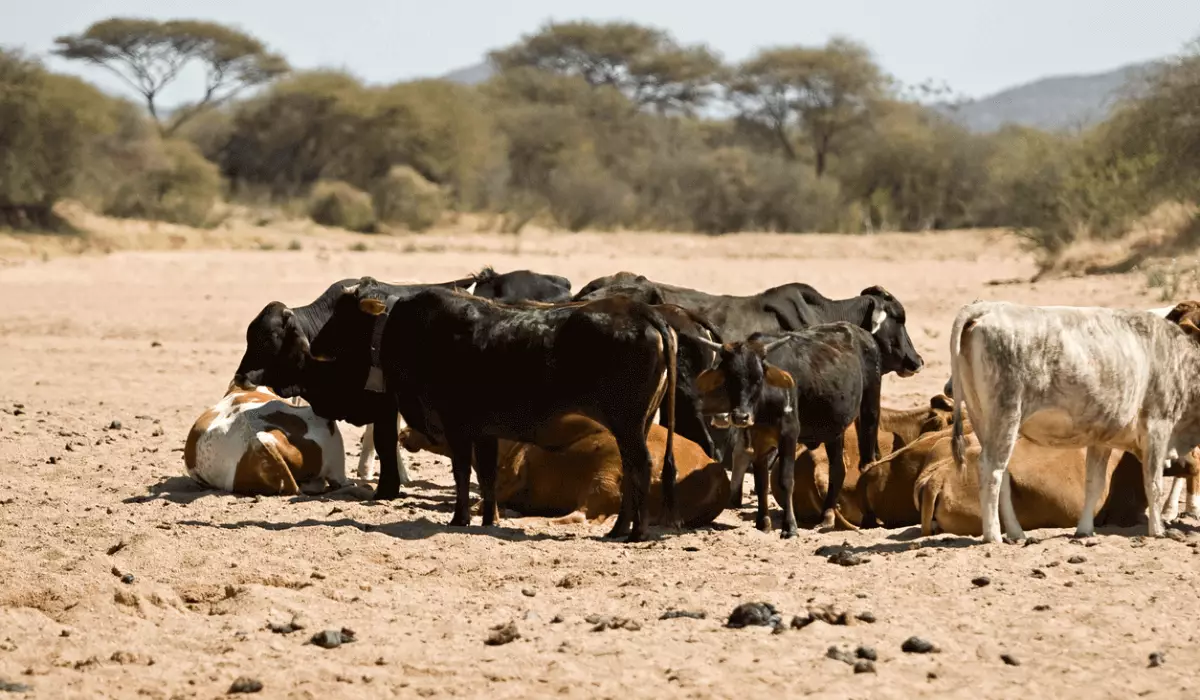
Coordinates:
[897,428]
[1047,489]
[581,478]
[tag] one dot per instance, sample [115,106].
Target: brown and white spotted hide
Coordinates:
[252,442]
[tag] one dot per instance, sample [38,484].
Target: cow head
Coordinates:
[885,319]
[276,347]
[339,359]
[1187,315]
[740,378]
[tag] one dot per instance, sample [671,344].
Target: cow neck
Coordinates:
[375,381]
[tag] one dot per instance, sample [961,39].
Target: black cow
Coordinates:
[815,383]
[520,285]
[466,371]
[784,308]
[788,307]
[275,330]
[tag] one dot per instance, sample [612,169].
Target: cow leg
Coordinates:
[787,484]
[1157,435]
[386,438]
[1193,496]
[635,483]
[366,453]
[762,484]
[835,451]
[486,450]
[1171,506]
[1097,475]
[736,459]
[996,449]
[460,462]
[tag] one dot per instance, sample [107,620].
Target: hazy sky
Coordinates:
[976,46]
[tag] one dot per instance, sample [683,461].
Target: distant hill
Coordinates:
[1053,103]
[471,75]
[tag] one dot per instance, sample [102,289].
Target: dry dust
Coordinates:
[150,339]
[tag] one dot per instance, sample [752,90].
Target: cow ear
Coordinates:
[877,316]
[941,402]
[374,307]
[710,380]
[777,377]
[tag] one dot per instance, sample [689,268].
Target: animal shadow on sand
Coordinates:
[419,529]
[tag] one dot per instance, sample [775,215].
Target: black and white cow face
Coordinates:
[887,318]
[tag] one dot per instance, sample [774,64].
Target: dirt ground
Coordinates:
[149,339]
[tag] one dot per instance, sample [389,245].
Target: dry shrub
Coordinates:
[174,183]
[339,204]
[404,197]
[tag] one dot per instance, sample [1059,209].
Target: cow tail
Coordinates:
[671,348]
[965,318]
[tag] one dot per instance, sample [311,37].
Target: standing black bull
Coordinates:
[817,381]
[272,345]
[466,371]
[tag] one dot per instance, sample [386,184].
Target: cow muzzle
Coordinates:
[741,419]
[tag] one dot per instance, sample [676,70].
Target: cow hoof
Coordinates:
[1082,535]
[787,534]
[460,521]
[618,530]
[1009,539]
[635,536]
[764,527]
[387,493]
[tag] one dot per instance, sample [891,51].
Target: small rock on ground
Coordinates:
[502,634]
[839,654]
[1010,659]
[330,639]
[245,684]
[1157,659]
[691,614]
[10,687]
[845,558]
[1077,559]
[981,581]
[748,614]
[864,666]
[867,653]
[604,622]
[916,645]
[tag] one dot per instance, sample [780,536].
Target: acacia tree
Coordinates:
[646,64]
[149,55]
[825,91]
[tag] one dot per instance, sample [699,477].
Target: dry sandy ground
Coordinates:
[150,339]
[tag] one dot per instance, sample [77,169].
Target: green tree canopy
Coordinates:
[827,92]
[646,64]
[149,55]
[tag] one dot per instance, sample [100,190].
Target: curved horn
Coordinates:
[352,289]
[776,343]
[706,342]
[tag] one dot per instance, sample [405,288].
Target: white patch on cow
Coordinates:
[234,429]
[877,319]
[1161,312]
[471,289]
[366,454]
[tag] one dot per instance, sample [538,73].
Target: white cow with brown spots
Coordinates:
[253,442]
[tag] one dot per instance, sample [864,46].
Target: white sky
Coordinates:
[975,46]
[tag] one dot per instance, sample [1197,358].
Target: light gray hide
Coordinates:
[1067,377]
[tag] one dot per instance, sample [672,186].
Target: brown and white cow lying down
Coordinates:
[252,442]
[1073,377]
[580,478]
[897,428]
[1047,489]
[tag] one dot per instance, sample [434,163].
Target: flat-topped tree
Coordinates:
[649,66]
[149,55]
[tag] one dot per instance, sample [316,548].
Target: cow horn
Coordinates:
[287,313]
[350,290]
[776,343]
[706,342]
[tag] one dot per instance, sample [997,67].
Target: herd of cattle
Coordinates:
[637,399]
